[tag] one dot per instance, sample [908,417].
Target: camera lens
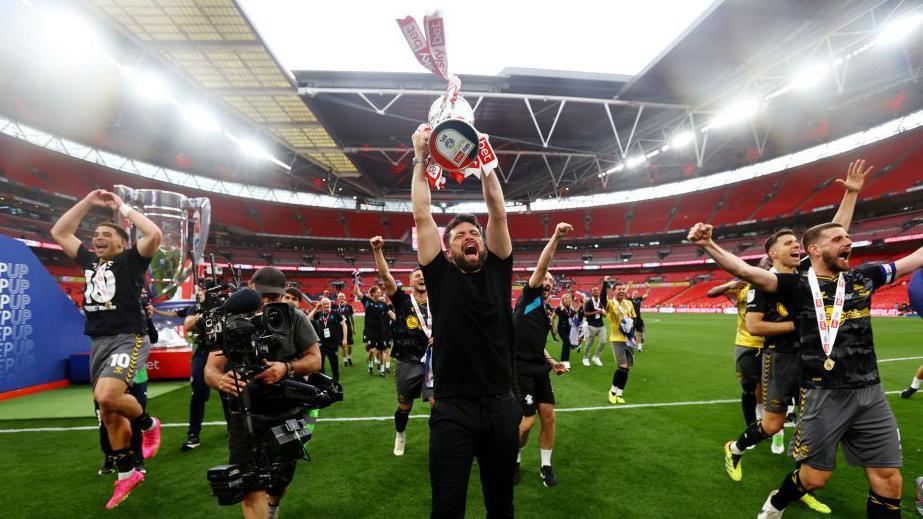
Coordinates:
[274,319]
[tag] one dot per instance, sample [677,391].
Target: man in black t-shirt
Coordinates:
[594,310]
[640,328]
[412,334]
[331,329]
[843,400]
[470,289]
[533,362]
[116,324]
[346,310]
[376,322]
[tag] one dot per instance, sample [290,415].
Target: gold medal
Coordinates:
[828,364]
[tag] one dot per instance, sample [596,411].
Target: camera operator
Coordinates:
[295,357]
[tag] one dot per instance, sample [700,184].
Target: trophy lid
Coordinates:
[442,110]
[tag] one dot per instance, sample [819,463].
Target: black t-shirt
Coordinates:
[410,341]
[376,320]
[854,350]
[774,312]
[564,316]
[589,306]
[531,325]
[329,331]
[112,298]
[636,302]
[389,324]
[346,310]
[472,327]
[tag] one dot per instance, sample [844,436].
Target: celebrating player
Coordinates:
[412,337]
[640,328]
[376,319]
[533,362]
[593,311]
[116,324]
[620,313]
[346,310]
[476,413]
[843,401]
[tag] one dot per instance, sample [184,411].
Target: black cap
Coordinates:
[268,280]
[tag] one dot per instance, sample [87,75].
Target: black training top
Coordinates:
[774,312]
[854,349]
[346,310]
[564,314]
[410,341]
[636,302]
[472,327]
[589,306]
[329,331]
[112,298]
[375,319]
[531,325]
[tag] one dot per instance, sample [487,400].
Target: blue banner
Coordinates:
[40,327]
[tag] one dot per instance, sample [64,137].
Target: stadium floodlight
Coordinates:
[201,119]
[899,29]
[635,161]
[681,140]
[652,154]
[71,37]
[254,149]
[151,87]
[810,76]
[737,112]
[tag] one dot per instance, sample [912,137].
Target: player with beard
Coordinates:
[346,310]
[620,313]
[640,328]
[476,414]
[116,325]
[843,402]
[412,338]
[533,362]
[376,319]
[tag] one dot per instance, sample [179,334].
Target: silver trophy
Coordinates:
[170,267]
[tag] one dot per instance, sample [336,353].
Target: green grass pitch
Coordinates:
[644,462]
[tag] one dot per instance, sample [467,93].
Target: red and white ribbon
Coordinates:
[827,331]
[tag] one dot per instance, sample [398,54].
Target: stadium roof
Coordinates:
[559,134]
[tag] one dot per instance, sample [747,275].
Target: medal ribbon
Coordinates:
[425,324]
[827,331]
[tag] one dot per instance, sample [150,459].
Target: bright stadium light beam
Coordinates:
[201,119]
[681,140]
[71,37]
[899,29]
[152,88]
[738,112]
[810,76]
[635,161]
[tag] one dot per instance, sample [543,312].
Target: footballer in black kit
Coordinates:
[533,362]
[476,414]
[375,334]
[116,324]
[413,337]
[640,327]
[843,402]
[345,309]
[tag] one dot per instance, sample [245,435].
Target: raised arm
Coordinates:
[544,260]
[604,293]
[701,236]
[377,242]
[723,288]
[357,287]
[428,245]
[855,179]
[498,234]
[910,263]
[65,228]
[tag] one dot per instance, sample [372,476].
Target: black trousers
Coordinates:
[462,429]
[330,353]
[200,392]
[566,346]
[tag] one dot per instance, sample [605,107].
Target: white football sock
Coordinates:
[546,457]
[519,456]
[615,390]
[916,383]
[735,450]
[126,475]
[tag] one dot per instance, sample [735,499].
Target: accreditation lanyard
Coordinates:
[827,331]
[425,324]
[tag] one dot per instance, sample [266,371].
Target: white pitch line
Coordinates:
[418,416]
